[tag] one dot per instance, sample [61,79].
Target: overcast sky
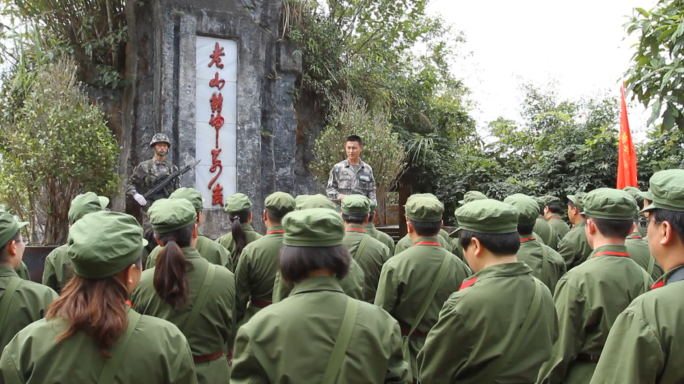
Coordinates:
[579,43]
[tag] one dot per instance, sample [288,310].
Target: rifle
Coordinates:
[169,179]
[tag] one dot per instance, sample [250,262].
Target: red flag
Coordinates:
[627,167]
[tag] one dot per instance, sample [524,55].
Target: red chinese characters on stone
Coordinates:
[216,82]
[216,121]
[217,194]
[216,56]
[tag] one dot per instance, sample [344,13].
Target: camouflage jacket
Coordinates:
[147,173]
[344,181]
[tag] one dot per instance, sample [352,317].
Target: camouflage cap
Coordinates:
[667,191]
[103,243]
[190,194]
[527,207]
[487,216]
[424,209]
[355,205]
[576,199]
[472,196]
[168,215]
[160,138]
[315,227]
[315,201]
[609,203]
[279,203]
[82,205]
[238,202]
[9,227]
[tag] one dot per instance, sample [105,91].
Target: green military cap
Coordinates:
[373,205]
[646,195]
[548,199]
[190,194]
[300,200]
[667,191]
[317,201]
[9,227]
[609,203]
[527,207]
[421,195]
[103,243]
[634,192]
[168,215]
[424,209]
[280,203]
[239,202]
[104,201]
[356,205]
[577,200]
[82,205]
[487,216]
[540,201]
[472,196]
[315,227]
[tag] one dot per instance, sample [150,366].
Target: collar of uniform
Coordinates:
[503,270]
[431,240]
[554,216]
[348,164]
[156,162]
[248,227]
[191,253]
[528,238]
[317,283]
[7,271]
[620,250]
[355,228]
[666,276]
[635,235]
[276,230]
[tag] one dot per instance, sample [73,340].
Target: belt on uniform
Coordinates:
[260,303]
[416,334]
[589,358]
[205,358]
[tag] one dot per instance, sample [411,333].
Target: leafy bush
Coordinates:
[55,146]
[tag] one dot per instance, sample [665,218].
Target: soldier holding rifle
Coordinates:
[150,173]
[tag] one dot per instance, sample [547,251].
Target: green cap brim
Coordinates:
[22,224]
[145,242]
[104,202]
[461,202]
[455,232]
[651,207]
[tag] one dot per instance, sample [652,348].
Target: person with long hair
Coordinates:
[185,289]
[91,334]
[318,334]
[241,232]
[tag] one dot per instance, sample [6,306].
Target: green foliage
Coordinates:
[658,63]
[664,150]
[54,147]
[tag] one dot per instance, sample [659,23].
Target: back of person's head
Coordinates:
[104,249]
[355,209]
[277,205]
[82,205]
[667,204]
[554,207]
[312,242]
[10,232]
[425,215]
[528,212]
[190,194]
[611,211]
[173,222]
[493,223]
[238,207]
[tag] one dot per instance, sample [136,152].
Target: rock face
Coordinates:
[273,145]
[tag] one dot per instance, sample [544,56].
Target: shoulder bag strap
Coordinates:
[7,299]
[362,246]
[111,365]
[651,264]
[647,278]
[494,369]
[342,342]
[441,274]
[201,299]
[545,262]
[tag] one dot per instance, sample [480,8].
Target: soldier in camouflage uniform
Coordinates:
[148,173]
[351,176]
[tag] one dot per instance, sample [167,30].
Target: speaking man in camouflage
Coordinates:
[148,173]
[351,176]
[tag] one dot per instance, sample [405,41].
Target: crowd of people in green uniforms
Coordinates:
[513,295]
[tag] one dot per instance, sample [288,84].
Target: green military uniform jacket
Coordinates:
[381,237]
[291,342]
[23,271]
[255,274]
[353,284]
[212,330]
[58,269]
[546,233]
[228,243]
[574,248]
[404,284]
[639,252]
[532,253]
[208,249]
[406,243]
[588,300]
[373,256]
[156,353]
[29,303]
[644,345]
[480,322]
[558,225]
